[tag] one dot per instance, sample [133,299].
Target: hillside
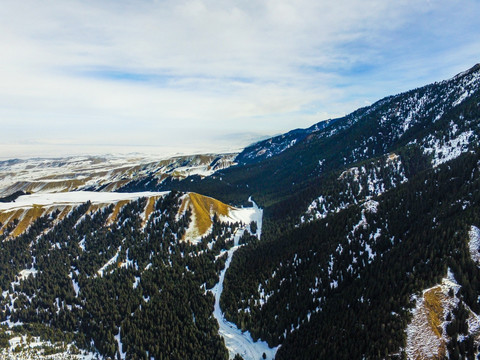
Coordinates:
[358,240]
[17,216]
[427,124]
[319,244]
[132,252]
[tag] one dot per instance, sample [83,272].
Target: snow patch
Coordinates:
[120,345]
[32,348]
[136,282]
[74,198]
[76,286]
[26,273]
[444,151]
[474,244]
[371,206]
[109,262]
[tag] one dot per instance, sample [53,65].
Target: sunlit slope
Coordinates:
[203,210]
[17,216]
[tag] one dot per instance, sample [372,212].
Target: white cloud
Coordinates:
[142,72]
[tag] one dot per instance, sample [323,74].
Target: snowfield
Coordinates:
[74,198]
[246,216]
[236,341]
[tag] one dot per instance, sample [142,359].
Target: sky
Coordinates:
[183,76]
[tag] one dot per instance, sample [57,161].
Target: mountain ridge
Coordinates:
[365,219]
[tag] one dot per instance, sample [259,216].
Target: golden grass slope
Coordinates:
[29,216]
[116,210]
[425,340]
[149,208]
[7,217]
[434,299]
[18,220]
[425,336]
[64,212]
[203,208]
[26,217]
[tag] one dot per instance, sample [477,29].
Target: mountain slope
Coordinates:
[380,222]
[429,115]
[271,147]
[117,273]
[328,233]
[304,287]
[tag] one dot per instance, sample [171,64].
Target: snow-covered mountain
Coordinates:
[66,244]
[394,116]
[108,173]
[273,146]
[368,248]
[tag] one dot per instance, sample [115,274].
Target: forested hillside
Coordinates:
[381,203]
[118,281]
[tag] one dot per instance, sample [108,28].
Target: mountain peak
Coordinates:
[473,69]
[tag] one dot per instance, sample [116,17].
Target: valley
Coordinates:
[236,341]
[364,243]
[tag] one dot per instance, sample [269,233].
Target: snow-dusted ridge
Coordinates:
[107,173]
[74,198]
[358,185]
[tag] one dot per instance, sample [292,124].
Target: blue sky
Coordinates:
[201,76]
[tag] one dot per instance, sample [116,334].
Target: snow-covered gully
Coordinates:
[236,341]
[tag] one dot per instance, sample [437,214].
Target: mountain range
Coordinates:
[357,237]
